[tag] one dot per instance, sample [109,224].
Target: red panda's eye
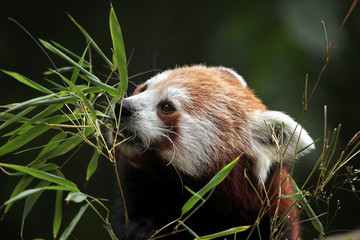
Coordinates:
[143,89]
[166,108]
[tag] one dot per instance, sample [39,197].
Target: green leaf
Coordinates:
[31,200]
[31,191]
[22,184]
[36,119]
[216,180]
[42,175]
[23,139]
[119,51]
[224,233]
[39,101]
[67,232]
[76,197]
[309,211]
[14,118]
[30,134]
[66,146]
[92,165]
[28,82]
[80,95]
[58,214]
[71,54]
[95,46]
[90,77]
[51,145]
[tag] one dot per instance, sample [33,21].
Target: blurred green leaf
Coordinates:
[76,197]
[92,165]
[31,191]
[31,200]
[51,145]
[95,46]
[216,180]
[119,51]
[20,186]
[309,211]
[224,233]
[11,118]
[42,175]
[28,82]
[70,53]
[90,77]
[67,145]
[67,232]
[57,214]
[38,118]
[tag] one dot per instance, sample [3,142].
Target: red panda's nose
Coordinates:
[123,108]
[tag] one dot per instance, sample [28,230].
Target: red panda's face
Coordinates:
[192,117]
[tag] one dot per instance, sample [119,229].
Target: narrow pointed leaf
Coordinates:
[17,117]
[52,144]
[90,77]
[95,46]
[92,165]
[224,233]
[31,200]
[58,214]
[76,197]
[119,51]
[67,232]
[66,146]
[31,191]
[28,82]
[22,184]
[41,175]
[71,54]
[216,180]
[309,211]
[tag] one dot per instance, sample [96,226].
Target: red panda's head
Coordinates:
[195,117]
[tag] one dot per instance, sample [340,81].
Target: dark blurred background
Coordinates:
[272,44]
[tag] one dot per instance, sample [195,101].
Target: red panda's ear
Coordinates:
[277,137]
[233,74]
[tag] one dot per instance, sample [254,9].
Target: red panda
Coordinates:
[184,125]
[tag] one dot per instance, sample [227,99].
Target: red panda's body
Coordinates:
[184,126]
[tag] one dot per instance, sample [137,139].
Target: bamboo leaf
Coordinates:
[28,82]
[31,191]
[90,77]
[30,134]
[52,144]
[81,95]
[309,211]
[76,72]
[66,234]
[92,165]
[66,146]
[70,53]
[31,200]
[39,101]
[224,233]
[216,180]
[76,197]
[14,118]
[95,46]
[22,184]
[42,175]
[119,51]
[58,214]
[22,139]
